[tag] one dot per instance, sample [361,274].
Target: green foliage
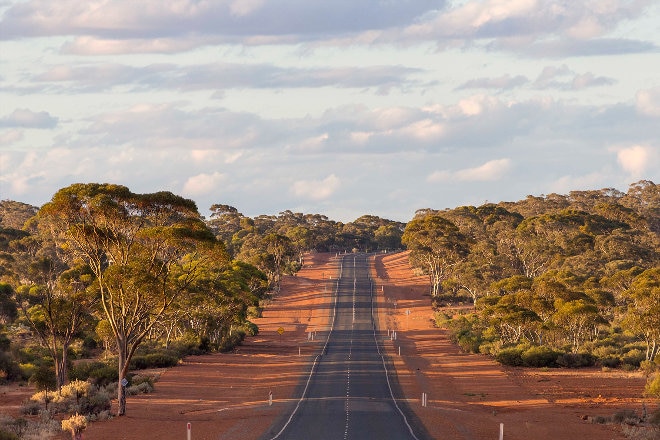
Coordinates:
[652,387]
[4,435]
[633,357]
[153,360]
[9,369]
[539,356]
[43,378]
[576,360]
[99,373]
[511,356]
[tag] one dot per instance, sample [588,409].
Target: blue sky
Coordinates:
[340,108]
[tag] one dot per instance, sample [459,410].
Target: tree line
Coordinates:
[552,280]
[101,265]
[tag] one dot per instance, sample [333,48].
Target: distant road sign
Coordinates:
[280,330]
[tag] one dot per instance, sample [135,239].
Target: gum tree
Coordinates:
[145,251]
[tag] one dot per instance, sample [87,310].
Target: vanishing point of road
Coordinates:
[351,391]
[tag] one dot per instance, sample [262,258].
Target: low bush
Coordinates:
[576,360]
[633,357]
[539,356]
[9,369]
[511,356]
[610,361]
[469,343]
[142,388]
[99,373]
[625,415]
[43,378]
[652,388]
[4,435]
[153,360]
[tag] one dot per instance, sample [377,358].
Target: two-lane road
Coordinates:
[348,394]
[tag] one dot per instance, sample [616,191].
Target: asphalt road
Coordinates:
[350,392]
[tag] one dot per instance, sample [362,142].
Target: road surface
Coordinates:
[350,392]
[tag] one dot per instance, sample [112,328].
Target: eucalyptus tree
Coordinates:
[643,312]
[436,246]
[58,306]
[271,253]
[143,249]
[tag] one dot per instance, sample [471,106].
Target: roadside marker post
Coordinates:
[270,398]
[189,430]
[501,431]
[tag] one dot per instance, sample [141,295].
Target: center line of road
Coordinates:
[348,386]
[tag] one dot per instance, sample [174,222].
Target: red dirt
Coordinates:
[226,395]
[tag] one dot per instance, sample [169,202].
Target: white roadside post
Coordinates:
[189,430]
[501,431]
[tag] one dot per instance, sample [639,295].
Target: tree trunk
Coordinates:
[121,389]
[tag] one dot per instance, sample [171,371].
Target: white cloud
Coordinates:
[203,184]
[8,137]
[316,189]
[489,171]
[502,82]
[636,159]
[648,102]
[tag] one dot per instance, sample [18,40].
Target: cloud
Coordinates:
[569,47]
[237,20]
[504,82]
[539,27]
[636,159]
[213,76]
[563,78]
[648,102]
[203,184]
[316,189]
[24,118]
[489,171]
[509,24]
[8,137]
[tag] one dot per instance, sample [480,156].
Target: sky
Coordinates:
[341,108]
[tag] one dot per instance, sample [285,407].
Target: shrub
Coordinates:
[74,389]
[4,435]
[625,415]
[96,403]
[652,387]
[99,373]
[654,417]
[75,425]
[30,408]
[633,357]
[576,360]
[610,361]
[510,356]
[540,356]
[43,378]
[469,343]
[9,369]
[143,388]
[153,360]
[603,351]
